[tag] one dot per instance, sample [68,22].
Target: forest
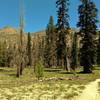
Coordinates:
[58,63]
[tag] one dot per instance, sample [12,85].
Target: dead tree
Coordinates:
[21,47]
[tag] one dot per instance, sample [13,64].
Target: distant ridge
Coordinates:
[8,30]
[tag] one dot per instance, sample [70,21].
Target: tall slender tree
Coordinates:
[21,49]
[88,25]
[62,31]
[49,42]
[29,49]
[98,50]
[74,53]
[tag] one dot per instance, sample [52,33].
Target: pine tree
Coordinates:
[29,51]
[98,50]
[87,24]
[62,31]
[49,42]
[3,53]
[74,53]
[43,50]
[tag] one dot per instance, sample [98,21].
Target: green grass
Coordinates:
[8,77]
[28,87]
[82,78]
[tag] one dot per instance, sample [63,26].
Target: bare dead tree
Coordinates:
[21,47]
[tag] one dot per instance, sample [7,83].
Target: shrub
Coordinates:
[39,69]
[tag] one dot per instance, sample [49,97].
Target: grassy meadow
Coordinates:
[55,85]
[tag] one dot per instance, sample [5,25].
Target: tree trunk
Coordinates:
[87,69]
[21,68]
[18,71]
[68,64]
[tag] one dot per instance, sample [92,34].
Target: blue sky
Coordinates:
[37,13]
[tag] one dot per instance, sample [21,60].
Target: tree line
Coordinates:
[85,43]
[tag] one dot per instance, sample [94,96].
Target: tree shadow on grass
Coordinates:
[1,70]
[63,72]
[52,70]
[60,71]
[82,72]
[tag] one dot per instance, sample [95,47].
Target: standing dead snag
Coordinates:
[21,46]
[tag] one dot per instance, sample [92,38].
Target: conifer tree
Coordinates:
[74,53]
[3,56]
[98,50]
[49,42]
[29,50]
[88,25]
[62,31]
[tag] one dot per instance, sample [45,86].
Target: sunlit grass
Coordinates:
[8,77]
[27,87]
[39,91]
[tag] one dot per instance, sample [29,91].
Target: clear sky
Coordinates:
[37,13]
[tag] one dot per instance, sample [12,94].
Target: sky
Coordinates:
[36,13]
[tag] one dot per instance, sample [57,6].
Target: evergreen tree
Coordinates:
[29,51]
[87,24]
[98,50]
[39,70]
[62,31]
[3,54]
[49,42]
[74,53]
[43,50]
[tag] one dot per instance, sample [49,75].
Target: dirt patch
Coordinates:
[90,92]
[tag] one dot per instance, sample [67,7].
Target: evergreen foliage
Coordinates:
[3,57]
[62,31]
[88,25]
[29,50]
[39,69]
[74,53]
[50,35]
[98,50]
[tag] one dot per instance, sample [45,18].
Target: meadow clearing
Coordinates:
[55,85]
